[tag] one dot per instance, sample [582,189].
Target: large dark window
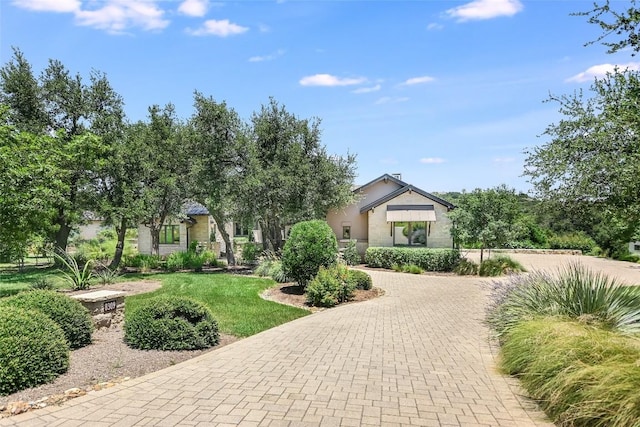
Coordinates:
[170,234]
[240,229]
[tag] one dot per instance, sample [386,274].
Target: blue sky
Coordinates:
[447,93]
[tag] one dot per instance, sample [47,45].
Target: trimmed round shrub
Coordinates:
[361,279]
[33,349]
[311,245]
[69,314]
[331,286]
[170,323]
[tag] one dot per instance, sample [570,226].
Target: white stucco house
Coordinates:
[391,212]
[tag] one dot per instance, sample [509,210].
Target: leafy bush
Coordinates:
[466,267]
[427,259]
[574,292]
[577,241]
[209,258]
[311,245]
[145,261]
[331,286]
[250,252]
[33,349]
[185,261]
[582,376]
[361,279]
[170,323]
[350,254]
[499,265]
[68,313]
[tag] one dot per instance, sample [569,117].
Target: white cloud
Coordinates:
[194,7]
[601,70]
[367,89]
[269,57]
[329,80]
[434,26]
[504,160]
[485,9]
[432,160]
[390,100]
[418,80]
[263,28]
[49,5]
[115,16]
[222,28]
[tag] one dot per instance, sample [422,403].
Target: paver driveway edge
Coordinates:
[418,355]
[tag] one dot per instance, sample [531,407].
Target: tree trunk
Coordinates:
[122,232]
[155,240]
[220,221]
[62,235]
[481,253]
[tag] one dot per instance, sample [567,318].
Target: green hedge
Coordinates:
[69,314]
[577,241]
[427,259]
[33,349]
[170,323]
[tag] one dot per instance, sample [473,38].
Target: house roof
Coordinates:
[194,208]
[399,191]
[386,177]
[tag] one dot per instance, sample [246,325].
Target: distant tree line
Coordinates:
[67,147]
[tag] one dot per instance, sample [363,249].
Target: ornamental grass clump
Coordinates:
[499,265]
[574,292]
[581,375]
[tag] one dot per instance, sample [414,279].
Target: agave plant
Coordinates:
[574,292]
[77,277]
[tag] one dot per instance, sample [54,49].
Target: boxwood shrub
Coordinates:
[69,314]
[33,349]
[170,323]
[425,258]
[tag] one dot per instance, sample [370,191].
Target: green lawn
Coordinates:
[234,300]
[12,281]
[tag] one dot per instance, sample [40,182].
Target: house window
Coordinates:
[636,247]
[170,234]
[346,232]
[240,229]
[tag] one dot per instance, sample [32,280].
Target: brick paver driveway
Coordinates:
[420,355]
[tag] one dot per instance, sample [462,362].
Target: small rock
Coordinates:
[15,408]
[102,320]
[74,392]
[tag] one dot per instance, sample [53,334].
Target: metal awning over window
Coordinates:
[410,213]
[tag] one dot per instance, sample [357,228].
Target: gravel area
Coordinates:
[108,358]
